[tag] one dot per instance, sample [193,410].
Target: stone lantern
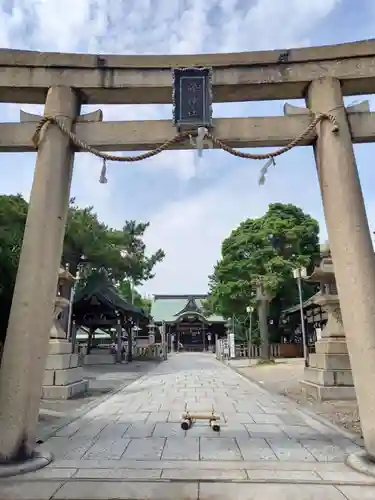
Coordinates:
[164,343]
[329,374]
[151,333]
[63,378]
[61,303]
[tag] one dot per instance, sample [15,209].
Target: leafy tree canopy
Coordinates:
[121,252]
[264,249]
[13,211]
[133,296]
[88,241]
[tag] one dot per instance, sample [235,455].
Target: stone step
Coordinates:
[331,346]
[328,393]
[61,361]
[185,489]
[65,391]
[58,346]
[269,466]
[63,377]
[330,361]
[328,377]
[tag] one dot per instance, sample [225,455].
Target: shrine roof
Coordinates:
[308,304]
[106,294]
[170,308]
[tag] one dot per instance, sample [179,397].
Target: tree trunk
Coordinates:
[89,340]
[263,329]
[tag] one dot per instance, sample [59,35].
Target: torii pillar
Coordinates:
[351,245]
[27,340]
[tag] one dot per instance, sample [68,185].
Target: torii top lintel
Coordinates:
[113,79]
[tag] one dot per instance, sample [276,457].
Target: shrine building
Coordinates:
[188,327]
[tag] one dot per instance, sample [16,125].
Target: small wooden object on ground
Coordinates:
[189,418]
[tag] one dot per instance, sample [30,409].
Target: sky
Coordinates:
[192,204]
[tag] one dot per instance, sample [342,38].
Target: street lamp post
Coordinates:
[299,274]
[71,300]
[125,253]
[71,333]
[226,347]
[249,310]
[119,338]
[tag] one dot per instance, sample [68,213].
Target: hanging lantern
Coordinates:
[192,98]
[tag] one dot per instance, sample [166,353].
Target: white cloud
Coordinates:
[199,202]
[193,229]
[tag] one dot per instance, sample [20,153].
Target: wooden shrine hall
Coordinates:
[187,326]
[98,305]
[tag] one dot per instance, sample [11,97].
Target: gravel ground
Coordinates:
[283,378]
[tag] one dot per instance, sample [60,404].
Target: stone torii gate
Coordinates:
[63,82]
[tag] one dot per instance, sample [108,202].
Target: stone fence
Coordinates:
[153,352]
[241,351]
[276,351]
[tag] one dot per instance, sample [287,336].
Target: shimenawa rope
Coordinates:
[46,121]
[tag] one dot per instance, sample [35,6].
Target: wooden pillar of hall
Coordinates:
[350,243]
[27,340]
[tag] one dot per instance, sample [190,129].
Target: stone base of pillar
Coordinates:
[40,459]
[63,378]
[362,462]
[329,376]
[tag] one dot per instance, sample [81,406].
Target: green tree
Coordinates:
[208,306]
[13,213]
[264,250]
[86,240]
[121,253]
[134,263]
[127,292]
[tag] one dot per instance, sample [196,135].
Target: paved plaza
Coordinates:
[131,445]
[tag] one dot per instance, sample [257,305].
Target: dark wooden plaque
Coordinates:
[192,98]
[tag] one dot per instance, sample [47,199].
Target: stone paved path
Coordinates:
[104,379]
[132,445]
